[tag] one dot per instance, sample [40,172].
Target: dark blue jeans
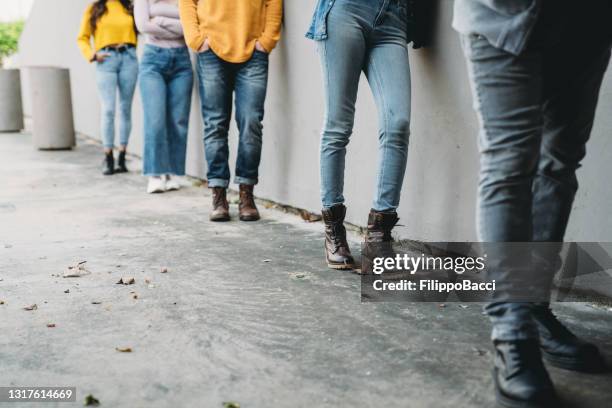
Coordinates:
[536,112]
[219,80]
[166,83]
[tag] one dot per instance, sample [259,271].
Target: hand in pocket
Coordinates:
[205,46]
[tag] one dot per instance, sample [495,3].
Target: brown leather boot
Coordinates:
[220,210]
[337,251]
[247,208]
[378,240]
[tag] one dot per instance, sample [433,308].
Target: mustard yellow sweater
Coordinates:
[114,27]
[232,26]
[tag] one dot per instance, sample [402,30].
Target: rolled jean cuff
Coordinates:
[108,146]
[244,180]
[218,183]
[512,332]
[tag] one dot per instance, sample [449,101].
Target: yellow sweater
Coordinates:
[232,26]
[114,27]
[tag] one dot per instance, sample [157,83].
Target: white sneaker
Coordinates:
[171,184]
[156,185]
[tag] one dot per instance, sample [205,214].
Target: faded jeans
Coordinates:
[166,83]
[118,73]
[367,36]
[536,112]
[218,82]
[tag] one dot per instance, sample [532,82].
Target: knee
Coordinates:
[108,112]
[336,133]
[398,126]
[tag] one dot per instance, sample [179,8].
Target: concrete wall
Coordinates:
[438,202]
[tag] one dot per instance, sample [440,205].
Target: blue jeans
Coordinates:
[166,83]
[118,72]
[536,112]
[218,82]
[367,36]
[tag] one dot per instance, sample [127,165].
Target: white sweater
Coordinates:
[159,21]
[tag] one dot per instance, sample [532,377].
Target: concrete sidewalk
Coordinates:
[247,312]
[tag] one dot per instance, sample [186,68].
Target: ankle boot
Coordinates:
[521,380]
[378,240]
[220,210]
[562,349]
[121,168]
[337,251]
[108,166]
[247,208]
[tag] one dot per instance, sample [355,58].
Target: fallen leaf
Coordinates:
[76,271]
[231,404]
[463,306]
[147,281]
[124,349]
[309,216]
[266,261]
[126,281]
[50,325]
[91,401]
[67,291]
[31,307]
[1,302]
[164,270]
[135,296]
[96,302]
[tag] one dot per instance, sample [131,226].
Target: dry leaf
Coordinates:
[96,302]
[126,281]
[310,217]
[124,349]
[67,291]
[231,404]
[76,271]
[135,296]
[1,302]
[164,270]
[50,325]
[31,307]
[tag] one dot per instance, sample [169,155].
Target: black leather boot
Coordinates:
[121,167]
[521,380]
[561,348]
[108,166]
[337,251]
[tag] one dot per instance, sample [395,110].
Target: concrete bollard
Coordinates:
[53,124]
[11,107]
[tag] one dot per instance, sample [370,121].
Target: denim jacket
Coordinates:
[419,21]
[506,24]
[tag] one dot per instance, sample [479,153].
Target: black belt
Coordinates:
[120,48]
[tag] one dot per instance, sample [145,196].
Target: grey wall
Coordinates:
[439,192]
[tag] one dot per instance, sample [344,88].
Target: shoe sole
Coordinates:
[221,219]
[572,364]
[507,402]
[249,219]
[339,267]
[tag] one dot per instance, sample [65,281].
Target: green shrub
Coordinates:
[9,38]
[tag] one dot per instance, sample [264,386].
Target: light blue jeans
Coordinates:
[117,74]
[166,83]
[367,36]
[219,81]
[536,112]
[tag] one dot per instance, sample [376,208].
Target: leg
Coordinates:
[342,57]
[153,91]
[107,81]
[251,85]
[508,96]
[217,85]
[388,73]
[569,113]
[128,77]
[179,103]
